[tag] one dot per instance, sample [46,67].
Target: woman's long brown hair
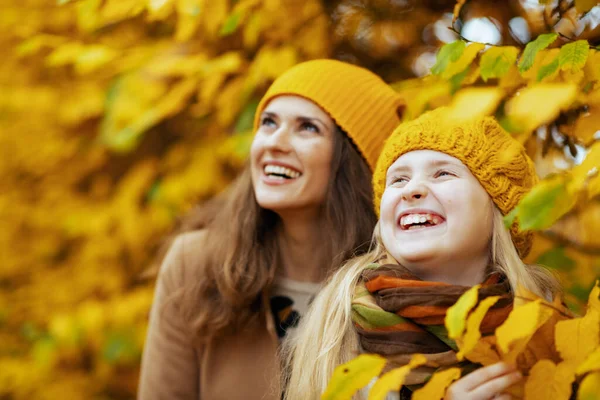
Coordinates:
[239,256]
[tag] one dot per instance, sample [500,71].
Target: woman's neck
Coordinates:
[303,248]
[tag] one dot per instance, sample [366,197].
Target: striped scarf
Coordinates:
[397,315]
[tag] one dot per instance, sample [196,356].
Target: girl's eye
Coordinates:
[307,126]
[267,121]
[398,180]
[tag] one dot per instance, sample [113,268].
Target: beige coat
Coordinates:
[235,367]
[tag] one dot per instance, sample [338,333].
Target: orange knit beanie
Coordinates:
[498,161]
[359,101]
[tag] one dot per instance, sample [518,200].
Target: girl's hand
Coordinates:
[485,383]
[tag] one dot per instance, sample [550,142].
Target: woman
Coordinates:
[441,190]
[228,294]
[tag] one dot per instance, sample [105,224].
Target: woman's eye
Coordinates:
[267,121]
[443,173]
[307,126]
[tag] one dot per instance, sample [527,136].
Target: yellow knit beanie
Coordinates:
[497,160]
[359,101]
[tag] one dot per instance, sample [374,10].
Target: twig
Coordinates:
[461,37]
[564,241]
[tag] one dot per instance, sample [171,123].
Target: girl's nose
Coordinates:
[414,190]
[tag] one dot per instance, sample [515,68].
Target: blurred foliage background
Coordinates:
[118,116]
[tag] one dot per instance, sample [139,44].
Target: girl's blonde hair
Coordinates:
[326,339]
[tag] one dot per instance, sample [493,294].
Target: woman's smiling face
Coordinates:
[434,213]
[291,155]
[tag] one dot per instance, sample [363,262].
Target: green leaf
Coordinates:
[544,204]
[496,62]
[456,317]
[231,24]
[348,378]
[449,53]
[548,69]
[556,259]
[245,121]
[573,56]
[533,48]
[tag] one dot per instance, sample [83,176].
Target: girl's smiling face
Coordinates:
[436,218]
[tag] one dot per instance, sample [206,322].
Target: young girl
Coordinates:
[441,190]
[229,292]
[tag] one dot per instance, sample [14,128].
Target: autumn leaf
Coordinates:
[585,175]
[577,338]
[539,104]
[484,352]
[543,205]
[393,380]
[573,56]
[474,102]
[448,54]
[464,61]
[589,387]
[231,24]
[456,316]
[583,6]
[472,334]
[456,12]
[437,385]
[348,378]
[521,324]
[496,61]
[591,363]
[548,70]
[533,48]
[549,381]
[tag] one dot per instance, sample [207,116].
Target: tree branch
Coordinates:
[567,242]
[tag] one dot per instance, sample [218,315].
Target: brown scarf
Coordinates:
[397,315]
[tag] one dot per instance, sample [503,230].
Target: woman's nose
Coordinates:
[414,190]
[280,140]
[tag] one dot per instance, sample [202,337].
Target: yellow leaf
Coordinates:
[464,61]
[540,104]
[483,353]
[587,173]
[475,102]
[587,126]
[542,61]
[472,335]
[348,378]
[457,7]
[435,388]
[188,17]
[589,387]
[583,6]
[549,381]
[456,316]
[594,298]
[592,66]
[514,334]
[577,338]
[393,380]
[591,363]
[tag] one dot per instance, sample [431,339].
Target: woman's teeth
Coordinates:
[279,171]
[419,220]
